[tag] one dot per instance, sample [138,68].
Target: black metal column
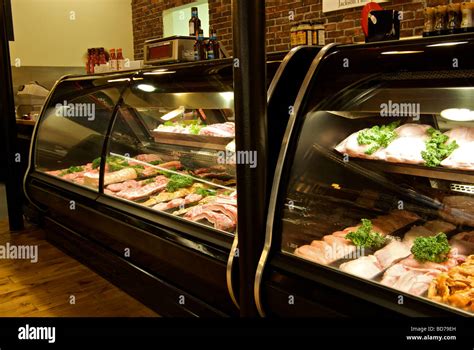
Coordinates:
[7,122]
[251,136]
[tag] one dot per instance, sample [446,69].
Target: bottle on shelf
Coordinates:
[102,59]
[120,60]
[194,23]
[88,62]
[294,35]
[213,47]
[467,23]
[199,47]
[430,19]
[113,60]
[92,61]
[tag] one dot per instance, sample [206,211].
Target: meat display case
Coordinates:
[371,210]
[133,174]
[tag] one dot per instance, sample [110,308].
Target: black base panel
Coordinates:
[157,294]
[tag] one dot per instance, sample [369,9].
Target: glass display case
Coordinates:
[134,174]
[168,151]
[377,179]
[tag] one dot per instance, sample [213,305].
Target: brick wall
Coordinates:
[341,26]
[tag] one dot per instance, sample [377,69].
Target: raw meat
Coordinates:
[416,231]
[173,164]
[412,130]
[144,191]
[148,157]
[220,130]
[365,267]
[394,221]
[92,178]
[414,277]
[461,135]
[178,202]
[437,226]
[458,210]
[406,150]
[461,158]
[390,253]
[220,221]
[351,147]
[124,185]
[314,254]
[229,210]
[463,242]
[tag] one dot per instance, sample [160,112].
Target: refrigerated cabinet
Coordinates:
[134,175]
[371,210]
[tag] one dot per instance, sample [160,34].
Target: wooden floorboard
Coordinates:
[47,287]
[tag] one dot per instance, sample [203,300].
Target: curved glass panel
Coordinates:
[172,145]
[72,129]
[381,186]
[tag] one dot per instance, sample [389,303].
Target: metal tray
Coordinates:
[195,141]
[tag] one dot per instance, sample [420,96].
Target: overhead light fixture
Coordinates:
[118,80]
[400,52]
[146,87]
[458,114]
[173,114]
[454,43]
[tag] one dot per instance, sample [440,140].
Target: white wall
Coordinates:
[176,19]
[57,33]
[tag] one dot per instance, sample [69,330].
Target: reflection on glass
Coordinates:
[382,188]
[168,153]
[72,131]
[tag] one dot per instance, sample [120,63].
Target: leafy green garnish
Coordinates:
[433,248]
[379,136]
[96,163]
[203,192]
[194,129]
[168,123]
[155,162]
[148,181]
[437,149]
[71,170]
[178,181]
[366,237]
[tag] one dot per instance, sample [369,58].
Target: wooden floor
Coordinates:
[45,288]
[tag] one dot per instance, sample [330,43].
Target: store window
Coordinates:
[175,20]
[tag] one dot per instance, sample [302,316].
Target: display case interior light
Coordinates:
[146,87]
[454,43]
[173,114]
[228,95]
[406,52]
[118,80]
[458,114]
[160,72]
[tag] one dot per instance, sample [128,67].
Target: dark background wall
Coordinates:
[341,26]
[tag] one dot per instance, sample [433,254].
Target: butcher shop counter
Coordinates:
[134,174]
[372,208]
